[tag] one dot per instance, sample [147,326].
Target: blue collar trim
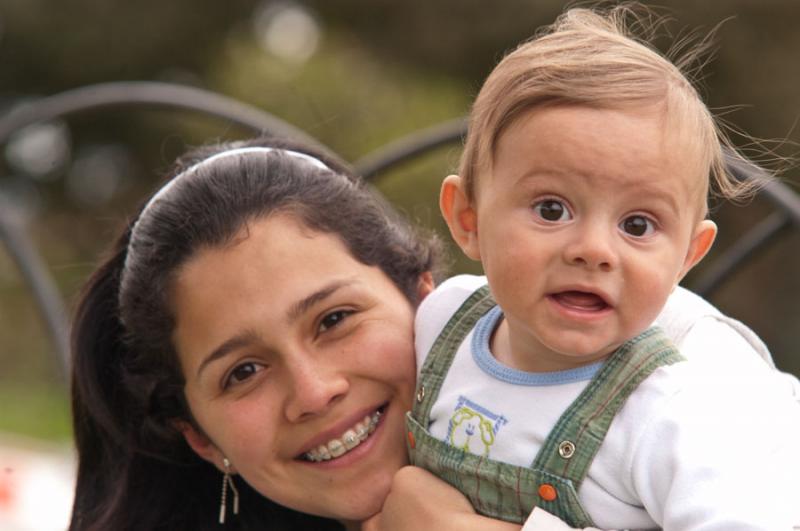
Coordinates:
[482,355]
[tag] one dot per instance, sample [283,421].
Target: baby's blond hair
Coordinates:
[593,57]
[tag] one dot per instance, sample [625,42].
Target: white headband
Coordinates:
[213,158]
[224,154]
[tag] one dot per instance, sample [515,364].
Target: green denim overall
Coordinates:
[509,492]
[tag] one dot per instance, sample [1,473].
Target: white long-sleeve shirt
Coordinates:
[710,443]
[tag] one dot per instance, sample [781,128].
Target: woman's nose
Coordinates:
[314,387]
[592,247]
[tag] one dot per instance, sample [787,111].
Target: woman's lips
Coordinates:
[332,447]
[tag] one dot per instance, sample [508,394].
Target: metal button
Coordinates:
[566,449]
[421,393]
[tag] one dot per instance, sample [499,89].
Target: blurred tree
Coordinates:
[51,45]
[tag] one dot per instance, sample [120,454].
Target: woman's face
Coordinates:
[288,344]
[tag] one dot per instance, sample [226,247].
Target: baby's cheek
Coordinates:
[647,304]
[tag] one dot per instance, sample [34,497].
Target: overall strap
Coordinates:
[444,349]
[574,441]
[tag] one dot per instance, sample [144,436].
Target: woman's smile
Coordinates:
[336,447]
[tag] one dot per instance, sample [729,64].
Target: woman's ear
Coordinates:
[460,215]
[704,235]
[201,445]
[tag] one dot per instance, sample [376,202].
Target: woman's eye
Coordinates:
[243,372]
[638,226]
[552,210]
[332,319]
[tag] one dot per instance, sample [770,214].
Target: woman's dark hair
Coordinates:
[135,471]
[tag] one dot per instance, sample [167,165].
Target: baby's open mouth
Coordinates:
[351,438]
[581,300]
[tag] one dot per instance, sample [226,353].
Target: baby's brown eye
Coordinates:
[637,226]
[552,210]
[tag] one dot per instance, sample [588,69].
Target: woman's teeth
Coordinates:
[349,440]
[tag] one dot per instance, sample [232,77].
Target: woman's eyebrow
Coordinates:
[295,311]
[303,305]
[221,351]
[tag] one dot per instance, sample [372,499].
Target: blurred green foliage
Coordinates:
[43,414]
[382,70]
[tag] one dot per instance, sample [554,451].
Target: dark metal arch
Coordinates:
[34,272]
[135,93]
[409,147]
[786,201]
[156,94]
[153,94]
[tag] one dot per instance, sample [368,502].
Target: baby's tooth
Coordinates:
[336,447]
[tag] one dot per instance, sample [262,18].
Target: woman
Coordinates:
[300,334]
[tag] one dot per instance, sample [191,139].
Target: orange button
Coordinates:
[411,442]
[547,492]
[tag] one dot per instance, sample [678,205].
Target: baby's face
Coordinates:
[584,226]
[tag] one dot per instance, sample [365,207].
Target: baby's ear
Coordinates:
[460,215]
[704,234]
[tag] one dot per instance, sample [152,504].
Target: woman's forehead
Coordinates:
[273,274]
[269,256]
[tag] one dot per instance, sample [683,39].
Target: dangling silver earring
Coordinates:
[227,481]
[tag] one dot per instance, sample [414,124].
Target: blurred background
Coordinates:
[355,74]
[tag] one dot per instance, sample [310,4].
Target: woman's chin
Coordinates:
[359,506]
[345,503]
[350,487]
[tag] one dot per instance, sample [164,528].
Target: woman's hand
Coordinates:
[419,500]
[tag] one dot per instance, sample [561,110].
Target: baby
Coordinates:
[582,191]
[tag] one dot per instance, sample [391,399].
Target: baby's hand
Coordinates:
[419,500]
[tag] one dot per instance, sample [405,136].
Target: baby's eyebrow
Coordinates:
[662,196]
[541,174]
